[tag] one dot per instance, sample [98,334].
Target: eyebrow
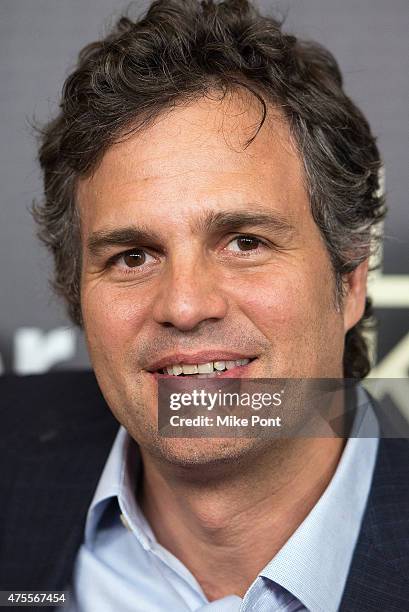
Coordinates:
[101,240]
[212,221]
[208,222]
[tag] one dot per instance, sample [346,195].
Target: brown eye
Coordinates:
[244,243]
[134,258]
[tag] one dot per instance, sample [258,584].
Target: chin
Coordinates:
[216,455]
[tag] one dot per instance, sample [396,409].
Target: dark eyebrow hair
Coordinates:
[208,222]
[123,236]
[212,221]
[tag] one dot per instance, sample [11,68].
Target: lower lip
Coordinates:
[236,372]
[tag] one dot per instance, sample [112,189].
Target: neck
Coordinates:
[244,517]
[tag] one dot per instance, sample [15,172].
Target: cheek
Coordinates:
[292,308]
[112,316]
[281,299]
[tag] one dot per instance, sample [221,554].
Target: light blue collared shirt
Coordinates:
[122,567]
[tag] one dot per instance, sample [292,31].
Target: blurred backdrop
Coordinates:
[39,41]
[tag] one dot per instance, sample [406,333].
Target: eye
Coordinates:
[246,243]
[134,258]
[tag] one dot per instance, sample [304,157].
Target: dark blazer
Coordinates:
[56,434]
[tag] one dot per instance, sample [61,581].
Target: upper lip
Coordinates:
[200,357]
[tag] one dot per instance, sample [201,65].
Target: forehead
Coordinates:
[194,157]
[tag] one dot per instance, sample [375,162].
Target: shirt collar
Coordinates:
[119,482]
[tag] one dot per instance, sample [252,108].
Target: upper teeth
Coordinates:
[204,368]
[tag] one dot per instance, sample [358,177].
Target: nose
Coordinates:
[189,294]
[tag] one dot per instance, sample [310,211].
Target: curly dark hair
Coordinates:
[179,51]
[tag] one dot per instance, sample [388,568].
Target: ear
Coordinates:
[354,300]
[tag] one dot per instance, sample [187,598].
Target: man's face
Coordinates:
[197,250]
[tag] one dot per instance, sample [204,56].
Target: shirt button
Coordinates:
[125,522]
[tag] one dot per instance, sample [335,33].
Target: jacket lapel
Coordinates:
[378,578]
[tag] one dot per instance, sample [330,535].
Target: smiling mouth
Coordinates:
[209,369]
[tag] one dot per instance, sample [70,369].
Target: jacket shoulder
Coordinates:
[57,431]
[43,414]
[31,404]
